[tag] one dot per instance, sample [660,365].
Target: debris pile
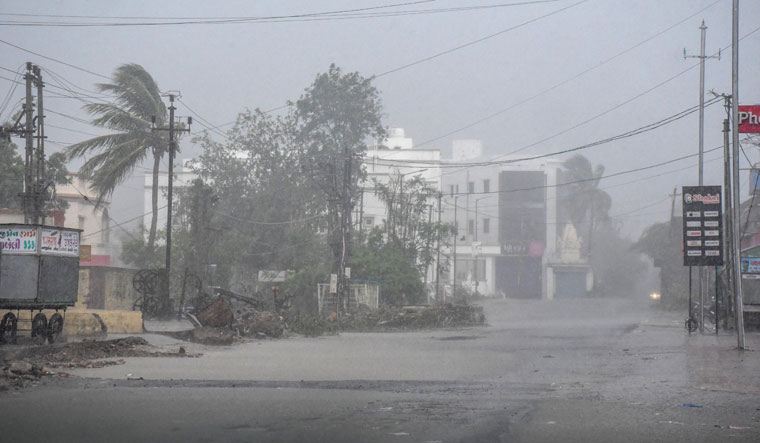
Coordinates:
[414,317]
[262,324]
[218,314]
[221,326]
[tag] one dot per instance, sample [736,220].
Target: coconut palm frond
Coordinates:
[113,117]
[107,170]
[94,144]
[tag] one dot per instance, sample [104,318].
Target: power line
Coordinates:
[348,14]
[474,42]
[566,81]
[629,171]
[466,165]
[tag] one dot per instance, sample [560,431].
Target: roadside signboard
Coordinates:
[57,241]
[749,119]
[333,283]
[18,240]
[702,226]
[750,265]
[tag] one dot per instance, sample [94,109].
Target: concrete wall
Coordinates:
[106,288]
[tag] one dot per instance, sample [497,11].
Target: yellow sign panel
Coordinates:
[85,252]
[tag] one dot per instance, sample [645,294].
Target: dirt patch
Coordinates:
[25,365]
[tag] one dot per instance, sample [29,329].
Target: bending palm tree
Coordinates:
[586,202]
[137,99]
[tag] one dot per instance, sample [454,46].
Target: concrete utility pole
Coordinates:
[701,57]
[29,184]
[170,185]
[40,186]
[438,252]
[738,299]
[474,255]
[456,234]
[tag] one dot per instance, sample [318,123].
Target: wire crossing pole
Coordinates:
[170,185]
[702,274]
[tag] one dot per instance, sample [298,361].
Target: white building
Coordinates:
[514,238]
[183,176]
[394,158]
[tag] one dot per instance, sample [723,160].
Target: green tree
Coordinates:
[266,215]
[409,222]
[387,262]
[114,156]
[662,242]
[12,177]
[335,117]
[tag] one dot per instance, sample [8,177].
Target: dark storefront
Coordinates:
[522,233]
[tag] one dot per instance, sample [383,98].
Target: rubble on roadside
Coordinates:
[27,365]
[413,317]
[221,326]
[228,319]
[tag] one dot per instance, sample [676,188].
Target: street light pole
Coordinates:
[456,234]
[475,256]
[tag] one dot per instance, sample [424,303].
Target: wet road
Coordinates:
[566,370]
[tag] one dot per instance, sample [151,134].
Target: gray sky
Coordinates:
[623,50]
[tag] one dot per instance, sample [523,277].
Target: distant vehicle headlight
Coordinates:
[654,295]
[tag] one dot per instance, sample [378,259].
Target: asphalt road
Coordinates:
[560,371]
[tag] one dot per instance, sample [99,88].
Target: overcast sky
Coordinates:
[557,74]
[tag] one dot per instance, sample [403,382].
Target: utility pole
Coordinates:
[170,185]
[729,270]
[29,185]
[701,57]
[456,234]
[738,300]
[673,208]
[438,253]
[39,185]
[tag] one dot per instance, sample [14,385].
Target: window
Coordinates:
[471,227]
[486,185]
[486,225]
[81,222]
[369,222]
[451,190]
[470,187]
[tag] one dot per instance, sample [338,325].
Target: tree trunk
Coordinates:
[154,201]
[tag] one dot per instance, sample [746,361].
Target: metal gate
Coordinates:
[367,294]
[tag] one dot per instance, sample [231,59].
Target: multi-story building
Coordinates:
[94,220]
[514,238]
[394,158]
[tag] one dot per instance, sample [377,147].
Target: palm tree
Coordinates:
[115,156]
[585,201]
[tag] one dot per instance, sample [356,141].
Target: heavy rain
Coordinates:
[380,221]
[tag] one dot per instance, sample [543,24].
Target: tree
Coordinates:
[335,117]
[408,222]
[662,242]
[12,178]
[114,156]
[583,200]
[266,214]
